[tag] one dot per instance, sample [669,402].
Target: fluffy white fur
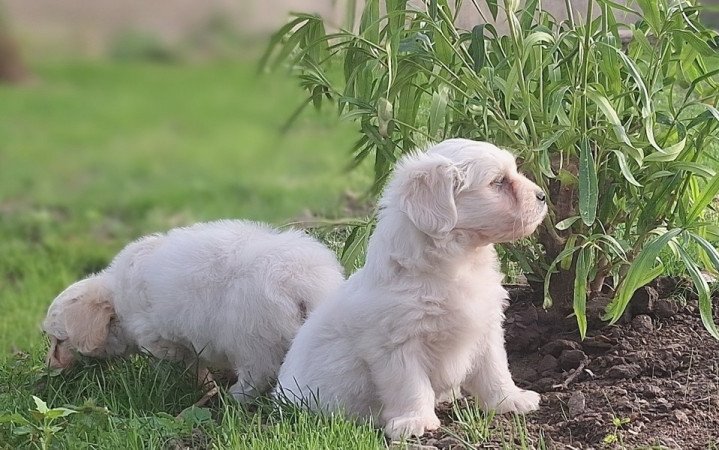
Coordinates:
[424,316]
[231,293]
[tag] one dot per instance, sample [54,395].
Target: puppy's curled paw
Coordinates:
[406,426]
[518,401]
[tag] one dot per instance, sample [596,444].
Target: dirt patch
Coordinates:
[651,381]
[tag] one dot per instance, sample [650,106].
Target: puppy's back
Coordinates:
[224,288]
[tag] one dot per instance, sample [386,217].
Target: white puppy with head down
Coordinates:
[424,315]
[228,295]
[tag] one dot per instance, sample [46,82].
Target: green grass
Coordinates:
[97,154]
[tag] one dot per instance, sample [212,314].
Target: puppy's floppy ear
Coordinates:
[427,196]
[87,318]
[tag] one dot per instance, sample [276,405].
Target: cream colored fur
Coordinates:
[228,294]
[424,316]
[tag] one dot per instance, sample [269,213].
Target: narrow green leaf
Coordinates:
[613,245]
[527,16]
[650,13]
[698,169]
[537,37]
[369,23]
[438,110]
[568,251]
[637,77]
[668,153]
[710,191]
[355,246]
[708,248]
[702,287]
[693,85]
[566,223]
[711,113]
[636,276]
[476,48]
[610,113]
[395,15]
[510,88]
[588,183]
[619,6]
[584,264]
[492,5]
[624,168]
[277,38]
[699,45]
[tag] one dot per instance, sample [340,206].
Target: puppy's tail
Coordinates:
[320,285]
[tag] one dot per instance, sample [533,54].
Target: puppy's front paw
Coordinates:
[406,426]
[244,392]
[517,401]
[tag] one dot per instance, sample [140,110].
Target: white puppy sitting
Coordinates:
[424,315]
[231,293]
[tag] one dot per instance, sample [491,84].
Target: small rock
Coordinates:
[521,329]
[525,373]
[448,443]
[667,442]
[624,371]
[612,360]
[627,347]
[620,392]
[544,384]
[597,308]
[681,416]
[598,344]
[571,359]
[577,404]
[652,391]
[665,308]
[643,324]
[643,300]
[556,347]
[547,364]
[662,404]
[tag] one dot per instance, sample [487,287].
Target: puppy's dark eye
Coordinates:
[499,181]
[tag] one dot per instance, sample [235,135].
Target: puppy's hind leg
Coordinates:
[255,374]
[491,382]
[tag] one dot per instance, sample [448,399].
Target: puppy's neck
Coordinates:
[398,245]
[118,341]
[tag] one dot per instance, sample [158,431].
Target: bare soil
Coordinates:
[652,381]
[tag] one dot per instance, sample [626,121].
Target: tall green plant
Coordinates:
[617,122]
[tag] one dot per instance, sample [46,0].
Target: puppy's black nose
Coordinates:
[540,196]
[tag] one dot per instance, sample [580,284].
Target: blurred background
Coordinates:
[119,119]
[122,118]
